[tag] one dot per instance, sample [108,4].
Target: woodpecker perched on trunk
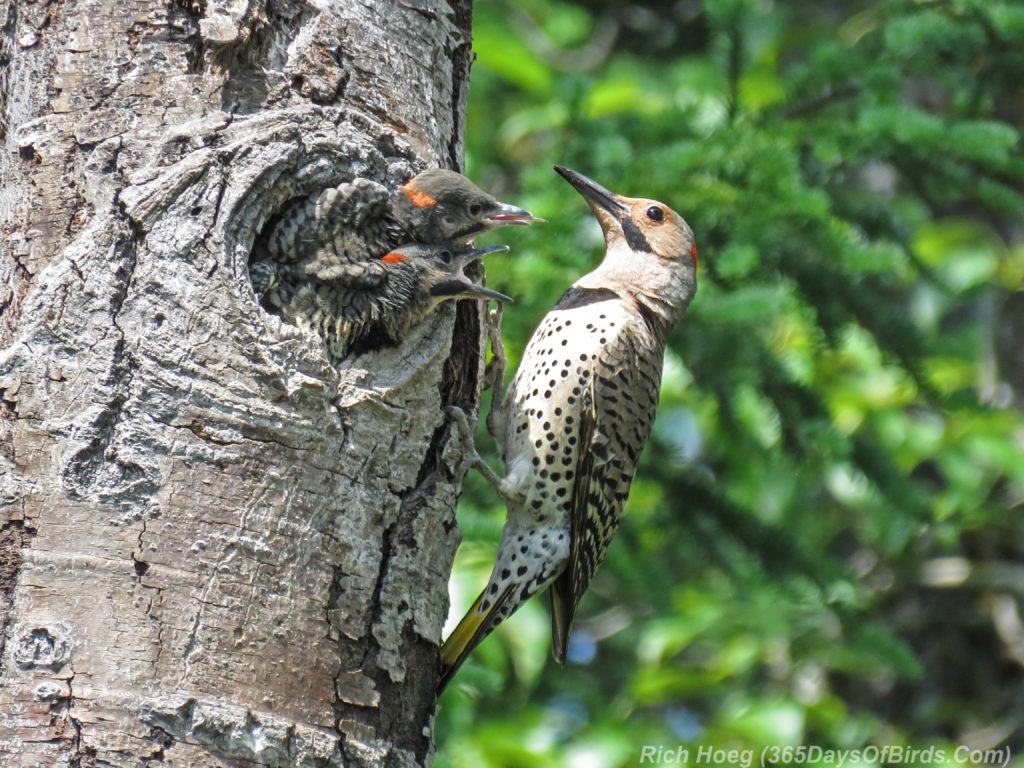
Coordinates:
[371,304]
[578,413]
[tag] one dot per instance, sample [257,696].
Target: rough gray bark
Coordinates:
[215,549]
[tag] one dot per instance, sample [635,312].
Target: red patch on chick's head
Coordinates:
[693,254]
[418,197]
[394,258]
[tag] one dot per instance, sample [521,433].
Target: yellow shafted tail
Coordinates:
[473,628]
[562,611]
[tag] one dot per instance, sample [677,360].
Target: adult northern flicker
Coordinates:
[578,413]
[369,304]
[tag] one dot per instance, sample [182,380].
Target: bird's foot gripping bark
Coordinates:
[495,371]
[473,459]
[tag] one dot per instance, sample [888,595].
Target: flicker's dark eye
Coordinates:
[654,213]
[475,208]
[445,257]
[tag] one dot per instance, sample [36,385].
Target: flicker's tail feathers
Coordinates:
[562,609]
[473,628]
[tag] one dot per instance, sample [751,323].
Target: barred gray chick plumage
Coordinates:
[320,266]
[360,220]
[375,303]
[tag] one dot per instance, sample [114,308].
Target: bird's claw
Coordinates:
[495,370]
[474,459]
[470,456]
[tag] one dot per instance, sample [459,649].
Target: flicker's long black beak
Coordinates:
[463,288]
[458,286]
[509,214]
[471,290]
[472,254]
[594,193]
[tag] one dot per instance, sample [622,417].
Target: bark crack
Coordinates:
[202,431]
[83,470]
[141,566]
[82,756]
[461,56]
[6,57]
[15,535]
[358,712]
[403,708]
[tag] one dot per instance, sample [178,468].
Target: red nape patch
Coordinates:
[416,197]
[394,258]
[693,254]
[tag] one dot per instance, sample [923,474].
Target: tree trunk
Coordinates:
[216,549]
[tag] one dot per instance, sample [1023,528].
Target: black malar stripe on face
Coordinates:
[634,237]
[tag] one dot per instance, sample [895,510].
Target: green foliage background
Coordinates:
[824,542]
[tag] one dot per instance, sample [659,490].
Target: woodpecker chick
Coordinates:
[372,304]
[360,220]
[320,265]
[578,413]
[441,206]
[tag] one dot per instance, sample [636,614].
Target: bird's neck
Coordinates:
[395,302]
[659,289]
[406,222]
